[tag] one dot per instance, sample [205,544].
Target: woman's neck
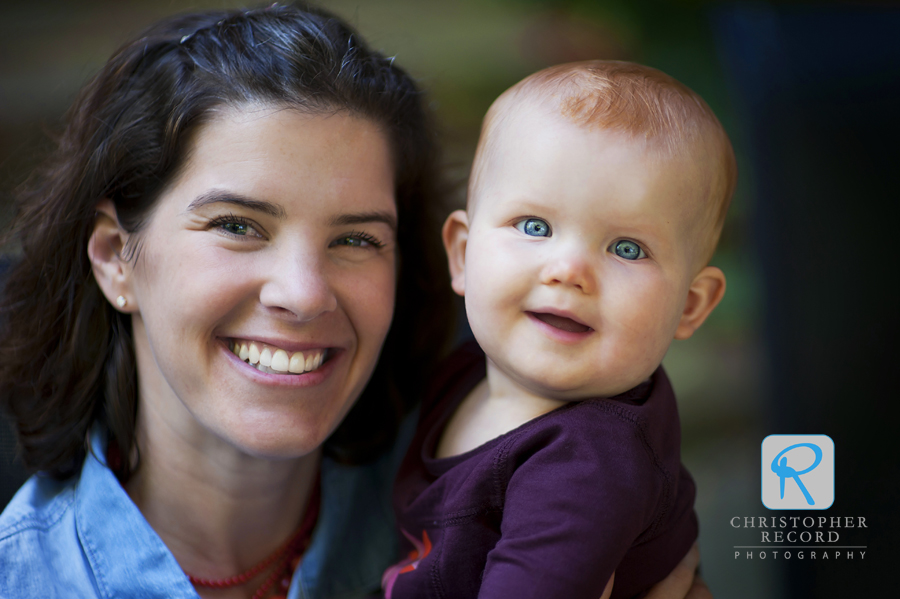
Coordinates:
[219,511]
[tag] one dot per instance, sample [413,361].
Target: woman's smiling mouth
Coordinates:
[274,360]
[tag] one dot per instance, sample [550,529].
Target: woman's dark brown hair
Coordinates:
[66,356]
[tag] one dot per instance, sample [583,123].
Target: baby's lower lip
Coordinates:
[561,322]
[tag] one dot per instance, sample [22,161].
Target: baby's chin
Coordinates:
[565,387]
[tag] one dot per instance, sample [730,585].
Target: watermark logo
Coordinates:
[798,472]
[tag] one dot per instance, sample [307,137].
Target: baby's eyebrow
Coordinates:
[218,196]
[361,218]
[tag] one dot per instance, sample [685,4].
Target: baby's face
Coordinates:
[579,256]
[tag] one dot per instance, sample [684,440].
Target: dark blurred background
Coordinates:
[802,343]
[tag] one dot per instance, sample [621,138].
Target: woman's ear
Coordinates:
[704,294]
[456,234]
[111,271]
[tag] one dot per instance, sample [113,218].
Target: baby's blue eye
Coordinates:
[629,250]
[534,227]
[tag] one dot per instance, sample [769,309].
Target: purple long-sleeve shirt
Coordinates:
[549,509]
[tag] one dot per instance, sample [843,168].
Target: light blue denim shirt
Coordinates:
[84,537]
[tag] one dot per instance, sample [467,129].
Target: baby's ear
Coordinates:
[704,294]
[456,234]
[111,271]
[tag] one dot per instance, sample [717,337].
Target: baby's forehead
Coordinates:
[525,126]
[640,102]
[645,106]
[519,122]
[519,114]
[618,96]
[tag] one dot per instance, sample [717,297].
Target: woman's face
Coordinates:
[275,245]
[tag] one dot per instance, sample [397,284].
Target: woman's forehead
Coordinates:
[278,155]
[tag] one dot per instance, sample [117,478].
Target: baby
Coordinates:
[551,460]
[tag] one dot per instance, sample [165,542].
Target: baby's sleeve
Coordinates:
[572,508]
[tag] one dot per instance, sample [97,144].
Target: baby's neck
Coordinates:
[494,407]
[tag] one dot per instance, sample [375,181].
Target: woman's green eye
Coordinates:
[359,239]
[535,227]
[235,228]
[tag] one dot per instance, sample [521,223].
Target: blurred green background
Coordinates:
[465,53]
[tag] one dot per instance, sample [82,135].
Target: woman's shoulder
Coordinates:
[83,537]
[38,539]
[39,507]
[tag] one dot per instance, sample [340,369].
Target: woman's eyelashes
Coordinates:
[358,239]
[240,228]
[628,250]
[236,227]
[535,227]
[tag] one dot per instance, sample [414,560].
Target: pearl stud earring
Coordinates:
[121,301]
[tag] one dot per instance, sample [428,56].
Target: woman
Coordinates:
[207,279]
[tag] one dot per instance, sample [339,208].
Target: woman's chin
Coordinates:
[278,444]
[270,436]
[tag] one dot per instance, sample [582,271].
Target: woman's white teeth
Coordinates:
[297,363]
[280,360]
[273,359]
[265,357]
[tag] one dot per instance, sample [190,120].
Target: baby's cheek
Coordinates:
[660,328]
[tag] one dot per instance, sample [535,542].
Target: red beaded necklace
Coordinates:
[285,559]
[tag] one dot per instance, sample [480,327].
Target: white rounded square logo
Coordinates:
[798,472]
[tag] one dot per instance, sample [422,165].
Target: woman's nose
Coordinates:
[298,283]
[570,266]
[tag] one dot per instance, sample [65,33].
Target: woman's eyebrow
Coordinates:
[226,197]
[360,218]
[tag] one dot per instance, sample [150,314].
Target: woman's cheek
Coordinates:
[372,295]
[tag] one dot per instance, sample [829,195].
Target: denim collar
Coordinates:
[353,542]
[125,554]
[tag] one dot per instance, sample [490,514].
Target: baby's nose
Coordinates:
[572,268]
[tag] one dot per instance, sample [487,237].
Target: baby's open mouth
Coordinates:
[562,323]
[274,360]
